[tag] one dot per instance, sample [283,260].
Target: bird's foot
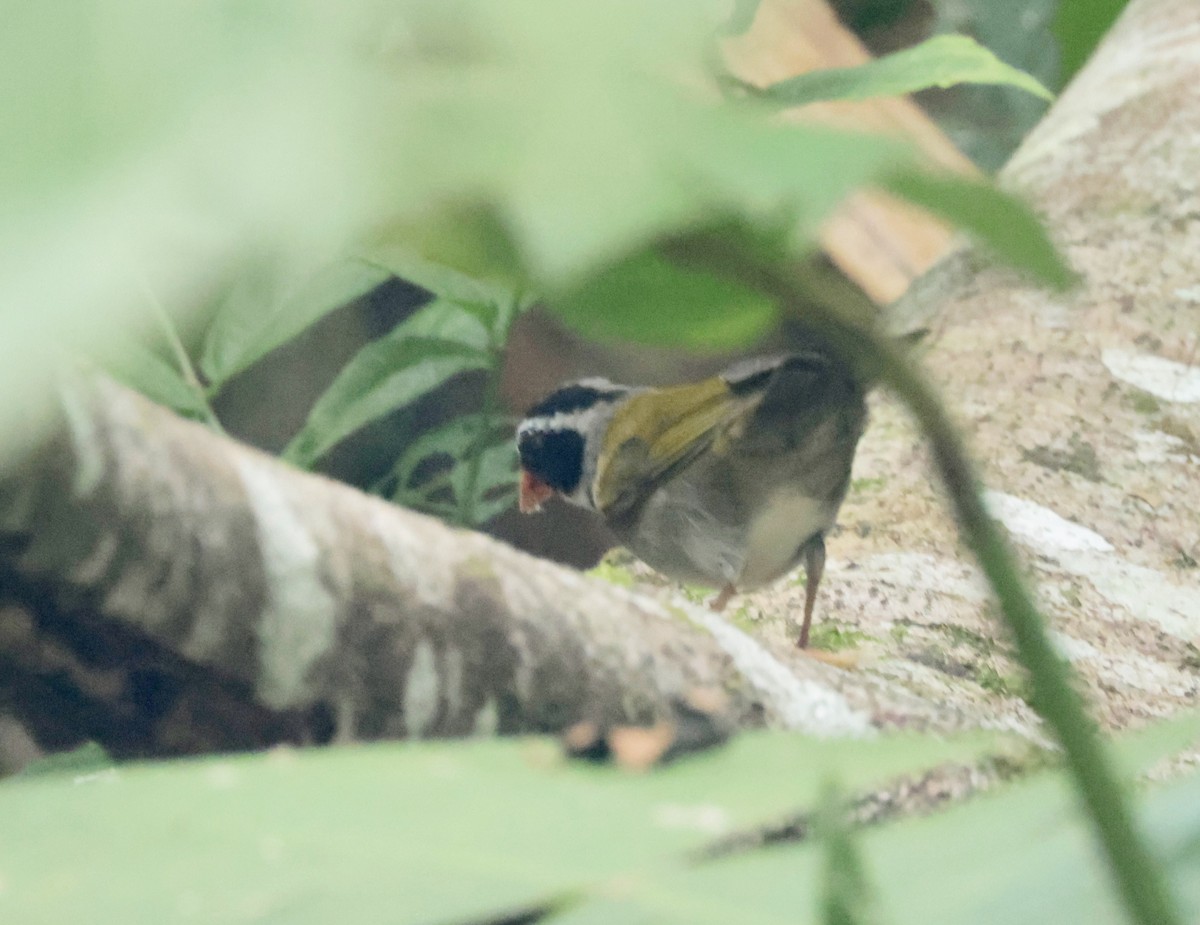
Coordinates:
[726,593]
[846,659]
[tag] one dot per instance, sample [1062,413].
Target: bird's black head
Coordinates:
[552,440]
[554,458]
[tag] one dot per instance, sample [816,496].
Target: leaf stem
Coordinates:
[497,338]
[186,368]
[1139,879]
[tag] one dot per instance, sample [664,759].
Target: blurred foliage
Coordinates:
[988,123]
[228,172]
[425,832]
[486,149]
[477,831]
[1078,26]
[1048,39]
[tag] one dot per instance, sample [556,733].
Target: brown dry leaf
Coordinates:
[638,748]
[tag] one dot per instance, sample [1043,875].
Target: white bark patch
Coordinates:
[452,680]
[1041,528]
[1146,593]
[90,468]
[1162,378]
[298,623]
[487,720]
[920,572]
[797,704]
[1072,649]
[1156,447]
[420,691]
[1130,668]
[414,565]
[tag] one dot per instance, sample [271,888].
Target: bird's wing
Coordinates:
[796,393]
[656,434]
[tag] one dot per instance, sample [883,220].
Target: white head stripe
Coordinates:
[579,419]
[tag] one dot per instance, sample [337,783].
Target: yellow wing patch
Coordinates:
[657,430]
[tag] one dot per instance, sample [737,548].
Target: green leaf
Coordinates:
[442,281]
[495,503]
[405,834]
[454,439]
[491,438]
[741,18]
[1022,854]
[942,61]
[988,122]
[1139,751]
[256,316]
[440,341]
[644,298]
[1079,26]
[714,164]
[1002,222]
[89,758]
[847,896]
[147,372]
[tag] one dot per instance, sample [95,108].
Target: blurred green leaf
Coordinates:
[256,317]
[439,341]
[89,758]
[847,896]
[415,833]
[783,179]
[942,61]
[160,142]
[645,298]
[495,503]
[204,142]
[987,122]
[144,370]
[1002,222]
[586,155]
[741,18]
[469,238]
[1139,751]
[1022,854]
[441,281]
[1079,25]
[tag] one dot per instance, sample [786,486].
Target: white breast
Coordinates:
[782,525]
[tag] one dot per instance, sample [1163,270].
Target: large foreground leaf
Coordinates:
[1023,855]
[400,834]
[1002,222]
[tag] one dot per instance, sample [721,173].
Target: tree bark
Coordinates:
[166,590]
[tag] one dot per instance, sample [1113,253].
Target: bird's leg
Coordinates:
[814,567]
[718,603]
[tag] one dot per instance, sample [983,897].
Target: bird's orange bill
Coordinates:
[533,492]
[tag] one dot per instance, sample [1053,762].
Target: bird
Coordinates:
[730,482]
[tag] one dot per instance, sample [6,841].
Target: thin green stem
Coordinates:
[186,368]
[1139,879]
[497,338]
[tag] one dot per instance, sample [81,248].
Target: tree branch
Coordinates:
[144,546]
